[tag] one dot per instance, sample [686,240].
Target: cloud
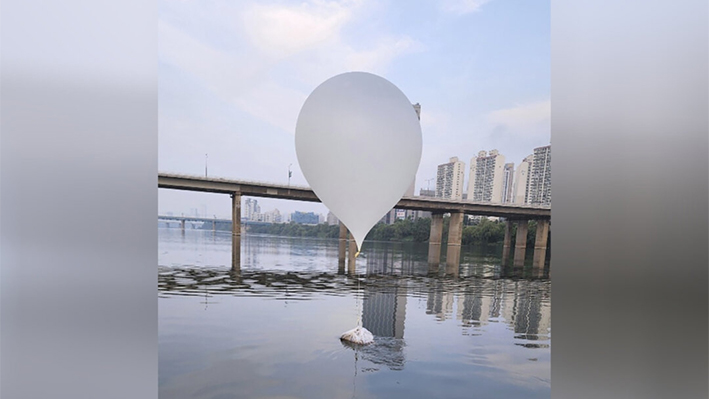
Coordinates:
[378,58]
[527,116]
[521,128]
[284,30]
[313,67]
[289,49]
[435,122]
[242,82]
[461,7]
[225,74]
[274,104]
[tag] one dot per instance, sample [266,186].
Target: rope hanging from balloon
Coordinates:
[359,334]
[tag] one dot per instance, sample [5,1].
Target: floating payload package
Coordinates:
[358,335]
[358,142]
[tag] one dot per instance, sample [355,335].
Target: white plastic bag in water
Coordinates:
[358,335]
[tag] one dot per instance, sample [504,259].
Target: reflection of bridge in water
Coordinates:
[513,213]
[522,305]
[388,289]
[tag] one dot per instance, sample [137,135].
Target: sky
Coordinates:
[234,75]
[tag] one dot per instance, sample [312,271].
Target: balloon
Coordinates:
[358,142]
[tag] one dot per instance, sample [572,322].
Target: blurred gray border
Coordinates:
[78,199]
[78,147]
[630,188]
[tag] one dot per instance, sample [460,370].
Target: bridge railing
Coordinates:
[235,181]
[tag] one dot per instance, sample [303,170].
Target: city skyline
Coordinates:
[232,81]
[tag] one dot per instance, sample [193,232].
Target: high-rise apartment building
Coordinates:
[540,177]
[487,171]
[251,209]
[273,216]
[332,219]
[508,175]
[449,179]
[521,181]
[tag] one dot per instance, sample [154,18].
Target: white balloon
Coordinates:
[358,142]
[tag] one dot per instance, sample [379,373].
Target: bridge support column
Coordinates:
[236,231]
[342,249]
[351,260]
[548,253]
[434,240]
[540,243]
[507,243]
[520,243]
[183,227]
[214,226]
[455,235]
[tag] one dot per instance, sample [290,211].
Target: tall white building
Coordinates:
[521,182]
[540,177]
[487,171]
[508,176]
[251,209]
[449,179]
[273,216]
[332,219]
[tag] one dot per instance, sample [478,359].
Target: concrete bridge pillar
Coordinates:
[455,236]
[520,243]
[236,231]
[434,240]
[540,243]
[351,260]
[342,248]
[507,243]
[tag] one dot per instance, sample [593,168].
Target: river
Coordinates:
[271,330]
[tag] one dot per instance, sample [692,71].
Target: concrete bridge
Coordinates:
[513,213]
[213,221]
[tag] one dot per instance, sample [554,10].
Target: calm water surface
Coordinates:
[272,330]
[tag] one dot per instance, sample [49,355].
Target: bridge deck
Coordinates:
[299,193]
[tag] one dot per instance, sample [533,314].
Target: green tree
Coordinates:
[422,229]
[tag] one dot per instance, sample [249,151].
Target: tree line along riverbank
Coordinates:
[483,231]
